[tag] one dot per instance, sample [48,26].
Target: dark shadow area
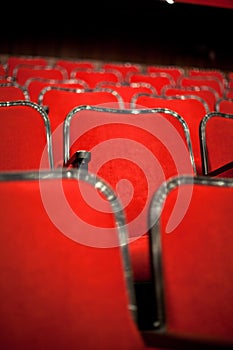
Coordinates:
[148,32]
[146,305]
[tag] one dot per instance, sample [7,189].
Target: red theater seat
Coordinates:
[216,135]
[174,71]
[209,95]
[60,101]
[191,238]
[12,91]
[94,76]
[212,73]
[124,68]
[70,65]
[224,105]
[22,73]
[36,85]
[212,82]
[66,278]
[14,61]
[128,91]
[134,151]
[25,137]
[191,108]
[157,79]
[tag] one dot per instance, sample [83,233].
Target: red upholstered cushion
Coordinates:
[61,102]
[23,138]
[191,110]
[219,140]
[56,292]
[130,153]
[198,264]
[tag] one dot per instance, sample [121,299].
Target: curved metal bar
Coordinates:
[155,211]
[45,118]
[118,212]
[175,97]
[80,90]
[36,67]
[191,88]
[97,70]
[66,125]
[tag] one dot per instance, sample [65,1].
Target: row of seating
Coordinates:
[92,73]
[198,129]
[67,276]
[164,169]
[33,90]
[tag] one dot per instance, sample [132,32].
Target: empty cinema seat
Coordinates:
[157,79]
[224,105]
[12,91]
[23,72]
[94,76]
[136,138]
[210,81]
[71,64]
[128,91]
[124,68]
[14,60]
[191,226]
[64,265]
[173,70]
[212,73]
[206,93]
[59,101]
[36,85]
[190,107]
[134,151]
[25,137]
[216,136]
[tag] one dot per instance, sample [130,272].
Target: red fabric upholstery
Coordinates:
[35,86]
[128,91]
[14,61]
[70,65]
[225,105]
[198,264]
[60,102]
[24,72]
[128,148]
[11,92]
[23,138]
[192,110]
[228,93]
[55,292]
[230,84]
[219,140]
[93,77]
[175,72]
[212,82]
[207,94]
[158,80]
[123,68]
[2,70]
[220,75]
